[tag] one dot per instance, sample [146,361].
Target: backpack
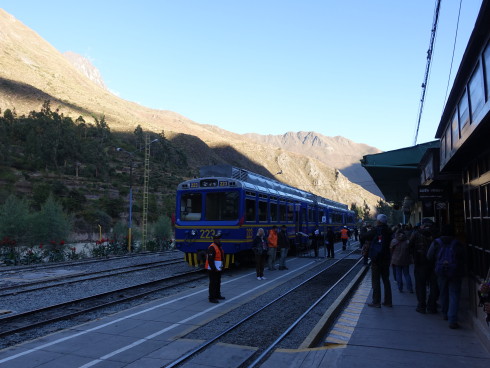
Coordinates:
[446,261]
[376,245]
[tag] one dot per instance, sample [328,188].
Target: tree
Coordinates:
[394,216]
[365,211]
[162,229]
[14,219]
[50,223]
[140,140]
[357,210]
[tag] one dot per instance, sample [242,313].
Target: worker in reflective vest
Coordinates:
[215,264]
[344,236]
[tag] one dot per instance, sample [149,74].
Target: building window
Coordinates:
[464,114]
[477,92]
[443,149]
[486,60]
[455,129]
[448,142]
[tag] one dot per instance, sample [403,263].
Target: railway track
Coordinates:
[65,280]
[33,319]
[266,327]
[6,270]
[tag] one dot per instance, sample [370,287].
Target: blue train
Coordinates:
[237,202]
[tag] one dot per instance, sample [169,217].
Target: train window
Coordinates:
[273,211]
[477,92]
[191,207]
[464,115]
[290,212]
[250,209]
[262,211]
[222,206]
[282,212]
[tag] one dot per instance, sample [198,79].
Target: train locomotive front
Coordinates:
[206,206]
[236,202]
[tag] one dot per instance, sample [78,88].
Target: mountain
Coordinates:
[85,67]
[336,152]
[32,71]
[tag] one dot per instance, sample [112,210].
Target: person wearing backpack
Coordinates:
[423,271]
[379,240]
[450,262]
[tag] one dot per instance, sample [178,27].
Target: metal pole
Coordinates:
[130,220]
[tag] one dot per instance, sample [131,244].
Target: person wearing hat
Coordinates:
[380,266]
[215,258]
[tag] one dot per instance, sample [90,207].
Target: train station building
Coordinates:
[448,179]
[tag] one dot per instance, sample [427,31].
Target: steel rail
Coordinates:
[34,314]
[295,323]
[85,276]
[205,344]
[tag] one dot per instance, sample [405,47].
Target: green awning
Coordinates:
[397,173]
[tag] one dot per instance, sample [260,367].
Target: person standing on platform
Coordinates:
[315,240]
[423,271]
[363,243]
[272,243]
[401,260]
[283,246]
[449,258]
[344,236]
[215,258]
[330,243]
[380,266]
[260,250]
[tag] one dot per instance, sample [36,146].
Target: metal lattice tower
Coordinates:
[146,177]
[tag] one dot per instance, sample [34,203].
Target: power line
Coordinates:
[427,67]
[452,57]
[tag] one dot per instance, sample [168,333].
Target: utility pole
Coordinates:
[146,177]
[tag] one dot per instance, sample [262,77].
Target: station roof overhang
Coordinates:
[397,172]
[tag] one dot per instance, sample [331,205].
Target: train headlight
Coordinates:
[193,232]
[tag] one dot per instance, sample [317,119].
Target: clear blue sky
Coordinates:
[349,68]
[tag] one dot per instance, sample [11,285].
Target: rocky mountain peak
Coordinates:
[84,65]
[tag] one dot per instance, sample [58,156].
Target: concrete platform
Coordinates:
[150,335]
[390,337]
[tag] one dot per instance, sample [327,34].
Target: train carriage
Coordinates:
[237,202]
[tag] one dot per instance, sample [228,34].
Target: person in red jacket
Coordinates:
[344,236]
[272,243]
[214,264]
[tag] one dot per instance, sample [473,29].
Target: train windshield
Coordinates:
[222,206]
[191,207]
[216,206]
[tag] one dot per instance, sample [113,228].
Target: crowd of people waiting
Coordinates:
[439,261]
[439,265]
